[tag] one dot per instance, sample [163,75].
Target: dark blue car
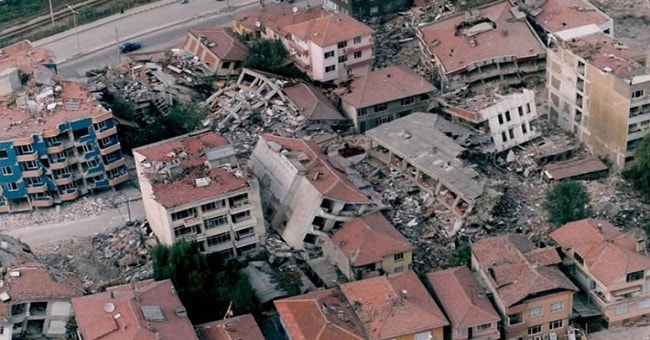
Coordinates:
[129,47]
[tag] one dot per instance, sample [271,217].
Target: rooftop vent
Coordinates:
[152,313]
[109,307]
[4,296]
[180,311]
[607,70]
[14,273]
[202,182]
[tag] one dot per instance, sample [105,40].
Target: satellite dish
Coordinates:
[295,9]
[109,307]
[258,24]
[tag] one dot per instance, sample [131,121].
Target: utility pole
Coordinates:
[51,12]
[76,29]
[117,46]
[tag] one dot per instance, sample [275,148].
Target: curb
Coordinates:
[137,35]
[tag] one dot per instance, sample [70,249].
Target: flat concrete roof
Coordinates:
[414,137]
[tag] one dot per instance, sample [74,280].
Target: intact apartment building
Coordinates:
[599,90]
[384,95]
[509,119]
[218,50]
[266,22]
[362,9]
[193,189]
[530,293]
[487,46]
[57,142]
[304,196]
[609,265]
[563,16]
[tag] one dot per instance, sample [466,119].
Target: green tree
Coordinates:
[184,264]
[639,173]
[461,255]
[267,55]
[567,201]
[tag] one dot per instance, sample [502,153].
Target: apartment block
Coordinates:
[368,246]
[532,296]
[486,46]
[57,142]
[34,303]
[363,9]
[193,189]
[266,22]
[563,16]
[304,196]
[218,49]
[384,95]
[509,119]
[609,265]
[599,90]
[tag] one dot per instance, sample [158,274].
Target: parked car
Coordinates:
[129,47]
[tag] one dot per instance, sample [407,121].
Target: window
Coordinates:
[244,233]
[215,222]
[634,276]
[6,170]
[218,239]
[18,309]
[179,215]
[242,216]
[362,111]
[25,149]
[534,330]
[514,319]
[398,257]
[578,258]
[330,68]
[407,100]
[399,269]
[507,116]
[503,136]
[212,206]
[461,331]
[523,128]
[342,44]
[521,111]
[357,54]
[343,59]
[638,94]
[182,231]
[329,54]
[511,133]
[3,154]
[12,186]
[483,327]
[557,307]
[620,310]
[557,324]
[537,311]
[357,40]
[381,107]
[33,181]
[88,147]
[422,336]
[644,304]
[500,116]
[225,65]
[527,107]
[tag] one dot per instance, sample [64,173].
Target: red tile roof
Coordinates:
[190,152]
[330,182]
[394,305]
[463,298]
[385,85]
[510,37]
[608,253]
[514,268]
[265,14]
[312,102]
[368,239]
[574,167]
[560,15]
[222,42]
[329,30]
[600,51]
[243,327]
[289,18]
[117,314]
[321,315]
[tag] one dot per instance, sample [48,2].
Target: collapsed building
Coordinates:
[218,50]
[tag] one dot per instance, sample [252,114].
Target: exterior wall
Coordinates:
[221,68]
[435,334]
[389,265]
[367,118]
[510,120]
[491,333]
[54,318]
[61,164]
[361,9]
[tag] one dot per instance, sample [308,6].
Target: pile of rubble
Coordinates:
[118,256]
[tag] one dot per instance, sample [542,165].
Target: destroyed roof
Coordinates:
[330,182]
[142,310]
[384,85]
[329,30]
[323,314]
[260,275]
[222,42]
[608,253]
[54,107]
[560,15]
[416,139]
[32,281]
[312,102]
[463,39]
[365,240]
[605,54]
[462,298]
[25,57]
[189,152]
[574,167]
[242,327]
[390,306]
[513,269]
[470,108]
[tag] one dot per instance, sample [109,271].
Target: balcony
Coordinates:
[94,171]
[59,164]
[63,180]
[55,149]
[190,221]
[117,180]
[238,207]
[51,133]
[214,213]
[218,247]
[69,195]
[27,157]
[110,149]
[114,165]
[37,189]
[106,133]
[106,116]
[33,172]
[246,240]
[243,223]
[326,214]
[22,141]
[42,202]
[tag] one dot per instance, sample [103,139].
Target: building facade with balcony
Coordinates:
[304,196]
[193,189]
[533,297]
[609,265]
[602,97]
[57,143]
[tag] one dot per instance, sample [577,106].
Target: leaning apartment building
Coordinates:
[56,141]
